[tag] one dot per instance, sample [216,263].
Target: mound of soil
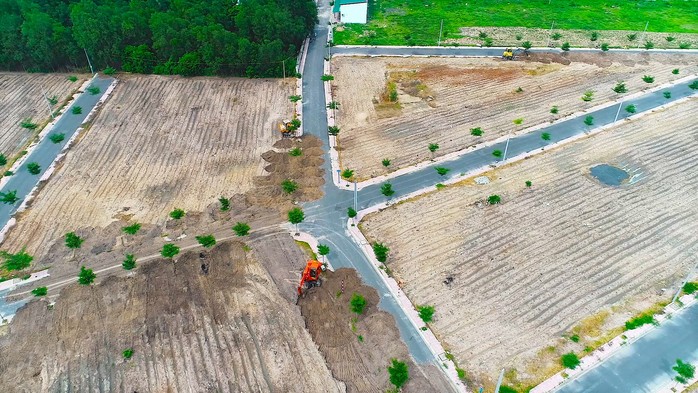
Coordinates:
[358,348]
[227,330]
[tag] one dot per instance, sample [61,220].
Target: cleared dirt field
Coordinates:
[22,98]
[159,143]
[509,280]
[225,331]
[358,348]
[441,99]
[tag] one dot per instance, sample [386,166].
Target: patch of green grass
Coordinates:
[640,320]
[570,360]
[404,22]
[690,287]
[295,152]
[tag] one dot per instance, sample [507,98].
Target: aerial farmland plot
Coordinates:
[569,255]
[24,101]
[395,107]
[159,143]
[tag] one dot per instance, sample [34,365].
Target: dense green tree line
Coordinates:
[187,37]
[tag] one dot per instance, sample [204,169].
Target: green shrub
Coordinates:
[357,303]
[529,183]
[570,360]
[380,250]
[177,214]
[132,229]
[399,373]
[294,98]
[207,241]
[9,197]
[669,38]
[333,130]
[3,159]
[648,79]
[685,45]
[433,147]
[57,138]
[497,153]
[526,45]
[556,36]
[686,371]
[667,94]
[28,124]
[441,170]
[604,47]
[76,110]
[18,261]
[73,241]
[554,110]
[675,71]
[426,313]
[351,212]
[594,36]
[565,46]
[127,353]
[649,45]
[494,199]
[589,120]
[241,229]
[507,389]
[694,85]
[295,152]
[34,168]
[93,90]
[109,71]
[632,37]
[169,250]
[129,262]
[8,173]
[386,162]
[387,189]
[40,291]
[347,173]
[631,108]
[461,374]
[620,88]
[73,78]
[289,186]
[86,276]
[574,338]
[588,96]
[225,204]
[477,131]
[640,320]
[326,78]
[690,288]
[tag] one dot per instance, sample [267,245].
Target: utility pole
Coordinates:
[643,34]
[551,33]
[356,197]
[48,102]
[499,381]
[618,113]
[440,31]
[89,62]
[506,148]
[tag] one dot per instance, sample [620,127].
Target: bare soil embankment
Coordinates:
[566,256]
[225,331]
[358,348]
[439,100]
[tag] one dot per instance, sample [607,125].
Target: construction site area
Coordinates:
[565,255]
[201,233]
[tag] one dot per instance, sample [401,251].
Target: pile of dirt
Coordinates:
[190,331]
[358,348]
[304,169]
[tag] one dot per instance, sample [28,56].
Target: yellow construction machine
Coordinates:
[288,128]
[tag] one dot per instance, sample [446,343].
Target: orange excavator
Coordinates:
[310,277]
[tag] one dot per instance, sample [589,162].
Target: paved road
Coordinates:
[469,51]
[326,218]
[645,365]
[46,152]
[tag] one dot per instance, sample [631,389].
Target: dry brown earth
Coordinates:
[23,97]
[358,348]
[441,99]
[159,143]
[509,280]
[225,331]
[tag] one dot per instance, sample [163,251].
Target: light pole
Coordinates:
[89,62]
[618,113]
[506,148]
[48,102]
[643,34]
[440,31]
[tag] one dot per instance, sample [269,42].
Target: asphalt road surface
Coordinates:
[46,152]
